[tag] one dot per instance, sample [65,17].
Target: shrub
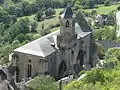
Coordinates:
[118,8]
[39,15]
[50,12]
[43,83]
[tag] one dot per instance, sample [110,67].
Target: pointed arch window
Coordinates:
[29,68]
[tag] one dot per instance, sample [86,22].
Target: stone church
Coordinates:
[65,51]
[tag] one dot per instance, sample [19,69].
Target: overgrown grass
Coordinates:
[103,9]
[43,83]
[51,21]
[54,29]
[46,22]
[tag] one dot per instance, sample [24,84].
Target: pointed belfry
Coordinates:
[67,29]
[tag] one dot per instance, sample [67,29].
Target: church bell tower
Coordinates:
[67,35]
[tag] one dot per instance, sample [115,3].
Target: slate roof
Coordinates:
[82,22]
[67,13]
[42,46]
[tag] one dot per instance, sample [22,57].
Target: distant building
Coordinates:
[102,20]
[99,20]
[59,53]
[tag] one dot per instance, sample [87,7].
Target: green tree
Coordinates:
[21,38]
[102,34]
[50,12]
[118,8]
[34,8]
[39,15]
[24,25]
[14,30]
[26,8]
[2,28]
[43,83]
[44,32]
[58,3]
[15,44]
[16,1]
[5,53]
[33,26]
[44,4]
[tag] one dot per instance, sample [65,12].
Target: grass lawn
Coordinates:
[104,9]
[46,22]
[54,29]
[51,21]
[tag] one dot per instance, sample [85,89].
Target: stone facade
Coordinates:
[58,54]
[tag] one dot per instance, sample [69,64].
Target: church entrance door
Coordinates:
[62,69]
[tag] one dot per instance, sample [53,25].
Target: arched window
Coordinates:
[29,68]
[67,23]
[29,60]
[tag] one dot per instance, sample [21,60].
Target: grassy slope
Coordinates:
[104,9]
[51,21]
[46,22]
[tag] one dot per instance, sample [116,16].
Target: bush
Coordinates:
[100,50]
[94,76]
[50,12]
[39,15]
[93,12]
[118,8]
[34,26]
[113,52]
[21,38]
[44,32]
[43,83]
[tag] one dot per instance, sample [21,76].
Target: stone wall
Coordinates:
[38,64]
